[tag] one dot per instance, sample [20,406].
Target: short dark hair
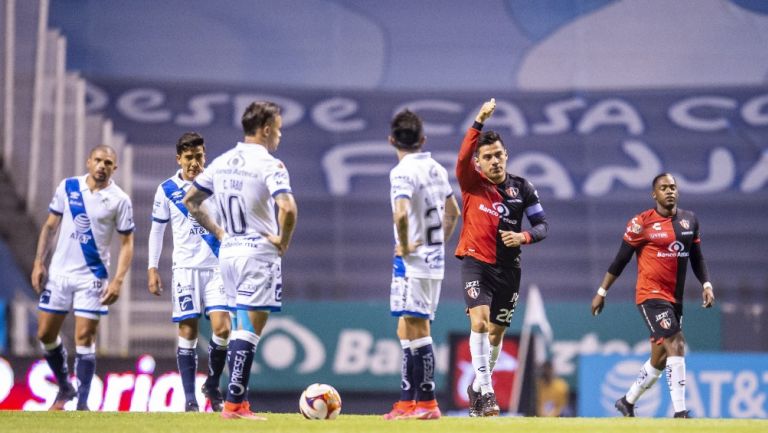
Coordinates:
[189,140]
[659,176]
[258,115]
[103,147]
[489,137]
[407,130]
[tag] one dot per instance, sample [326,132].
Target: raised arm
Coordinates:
[466,173]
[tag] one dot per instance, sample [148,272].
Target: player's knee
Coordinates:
[85,337]
[479,325]
[46,336]
[222,332]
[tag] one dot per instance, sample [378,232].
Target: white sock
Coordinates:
[495,350]
[645,380]
[494,356]
[480,348]
[219,341]
[51,346]
[676,381]
[187,344]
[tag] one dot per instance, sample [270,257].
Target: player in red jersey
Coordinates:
[494,203]
[663,238]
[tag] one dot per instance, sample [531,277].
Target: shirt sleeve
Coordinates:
[204,181]
[447,182]
[535,214]
[156,233]
[161,212]
[277,179]
[468,176]
[696,231]
[401,184]
[125,216]
[59,200]
[531,201]
[633,235]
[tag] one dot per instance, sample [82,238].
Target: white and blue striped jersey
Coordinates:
[424,182]
[243,182]
[89,233]
[193,246]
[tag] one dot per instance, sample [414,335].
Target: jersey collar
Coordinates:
[251,147]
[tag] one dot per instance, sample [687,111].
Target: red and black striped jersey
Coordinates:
[663,245]
[490,207]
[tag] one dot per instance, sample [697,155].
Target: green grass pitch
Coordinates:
[94,422]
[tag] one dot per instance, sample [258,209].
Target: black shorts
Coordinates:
[663,318]
[492,285]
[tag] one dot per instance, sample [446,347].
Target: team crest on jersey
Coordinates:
[512,192]
[685,224]
[236,161]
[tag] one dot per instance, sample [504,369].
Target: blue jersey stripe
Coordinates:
[86,237]
[175,195]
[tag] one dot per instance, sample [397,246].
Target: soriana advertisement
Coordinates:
[121,384]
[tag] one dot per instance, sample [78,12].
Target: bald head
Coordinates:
[106,149]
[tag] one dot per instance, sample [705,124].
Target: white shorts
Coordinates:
[62,294]
[414,297]
[195,288]
[259,284]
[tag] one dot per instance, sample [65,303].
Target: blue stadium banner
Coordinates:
[718,385]
[591,155]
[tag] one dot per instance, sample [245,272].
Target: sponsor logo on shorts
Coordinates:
[45,297]
[664,320]
[185,303]
[666,323]
[472,288]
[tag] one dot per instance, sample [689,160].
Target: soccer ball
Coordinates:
[320,401]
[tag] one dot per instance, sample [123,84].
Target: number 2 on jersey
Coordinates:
[434,227]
